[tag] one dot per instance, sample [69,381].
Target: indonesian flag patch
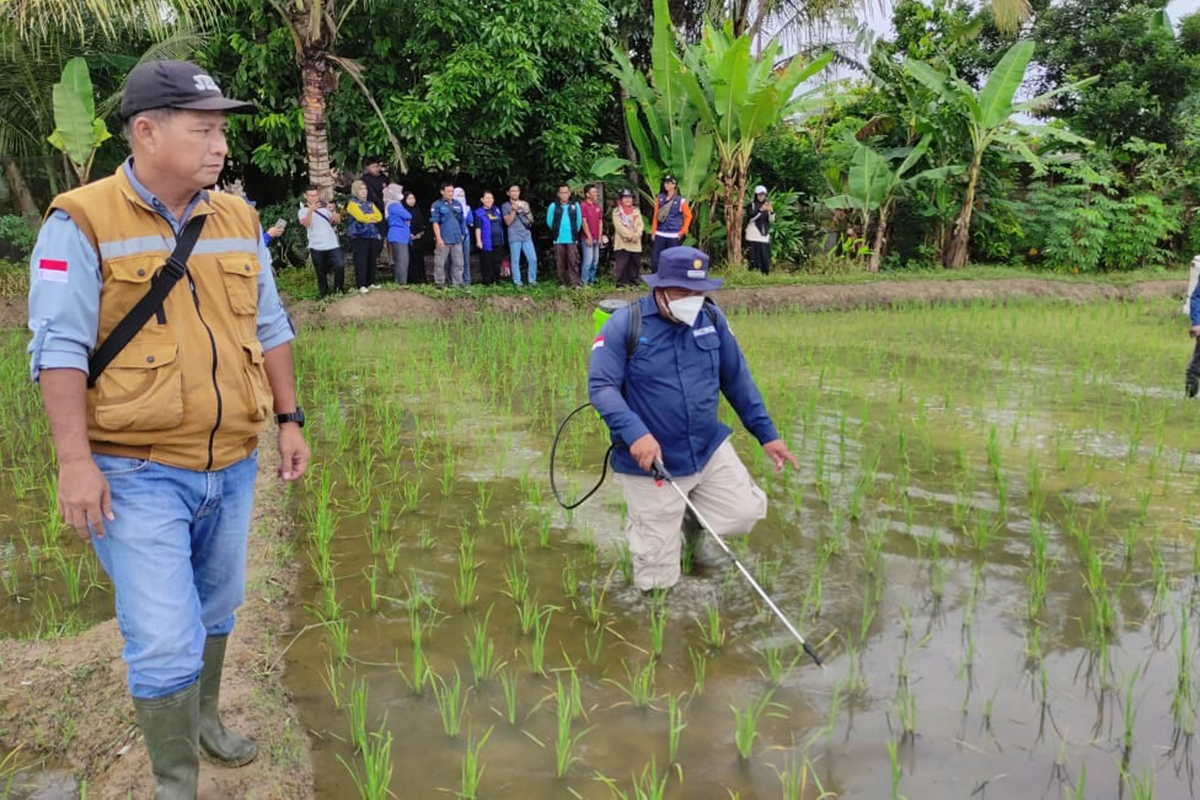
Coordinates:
[598,342]
[52,269]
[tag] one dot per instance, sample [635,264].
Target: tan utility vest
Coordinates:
[190,389]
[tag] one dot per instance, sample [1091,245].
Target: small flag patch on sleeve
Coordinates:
[51,269]
[598,342]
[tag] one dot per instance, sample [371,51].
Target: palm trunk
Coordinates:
[22,197]
[955,255]
[314,74]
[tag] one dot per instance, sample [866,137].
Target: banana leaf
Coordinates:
[77,132]
[996,96]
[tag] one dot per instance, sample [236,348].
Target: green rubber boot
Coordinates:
[218,744]
[170,726]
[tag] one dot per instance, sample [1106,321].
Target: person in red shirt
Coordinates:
[592,233]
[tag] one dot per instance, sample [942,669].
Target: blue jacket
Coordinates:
[448,215]
[672,387]
[489,222]
[398,219]
[1195,306]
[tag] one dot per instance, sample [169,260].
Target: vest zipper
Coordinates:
[212,341]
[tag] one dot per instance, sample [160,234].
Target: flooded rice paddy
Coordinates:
[991,543]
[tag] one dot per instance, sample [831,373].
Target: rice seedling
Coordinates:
[593,643]
[897,770]
[376,759]
[371,574]
[420,673]
[537,648]
[746,723]
[776,667]
[468,576]
[566,743]
[699,661]
[711,632]
[625,562]
[472,766]
[570,578]
[658,627]
[508,685]
[356,709]
[338,632]
[640,683]
[675,726]
[482,651]
[516,578]
[451,702]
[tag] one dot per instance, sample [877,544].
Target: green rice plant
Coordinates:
[410,494]
[897,770]
[537,648]
[711,632]
[509,686]
[658,627]
[640,684]
[371,574]
[648,785]
[1140,788]
[356,709]
[993,452]
[391,555]
[333,681]
[687,557]
[565,742]
[625,562]
[468,577]
[699,661]
[472,766]
[595,601]
[767,572]
[516,578]
[593,643]
[544,531]
[377,766]
[675,726]
[1079,791]
[71,571]
[746,723]
[338,632]
[451,702]
[447,479]
[570,578]
[794,778]
[905,706]
[527,614]
[482,502]
[1182,705]
[421,671]
[512,531]
[482,651]
[776,667]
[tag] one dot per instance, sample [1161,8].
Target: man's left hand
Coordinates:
[1194,331]
[293,452]
[275,231]
[780,454]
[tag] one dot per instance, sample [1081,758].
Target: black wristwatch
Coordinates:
[296,416]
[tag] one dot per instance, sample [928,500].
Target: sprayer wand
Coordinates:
[660,474]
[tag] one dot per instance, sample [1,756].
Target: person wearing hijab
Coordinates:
[759,216]
[363,230]
[399,233]
[416,245]
[460,197]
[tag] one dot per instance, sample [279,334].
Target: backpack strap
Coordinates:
[634,332]
[151,302]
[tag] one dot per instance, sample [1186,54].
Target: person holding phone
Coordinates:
[320,221]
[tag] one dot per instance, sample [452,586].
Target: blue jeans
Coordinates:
[514,257]
[466,270]
[591,260]
[176,555]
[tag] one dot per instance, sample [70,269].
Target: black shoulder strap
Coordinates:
[635,328]
[160,286]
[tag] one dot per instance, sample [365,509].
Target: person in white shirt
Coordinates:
[759,216]
[319,219]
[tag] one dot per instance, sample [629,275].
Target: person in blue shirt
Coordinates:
[1192,382]
[489,238]
[660,399]
[399,220]
[565,220]
[449,230]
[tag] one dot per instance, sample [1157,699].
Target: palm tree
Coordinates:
[314,26]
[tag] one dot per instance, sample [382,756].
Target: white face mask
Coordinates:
[686,309]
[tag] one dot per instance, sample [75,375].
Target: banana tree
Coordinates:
[989,118]
[78,132]
[704,108]
[872,187]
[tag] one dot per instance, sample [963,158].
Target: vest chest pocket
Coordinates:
[142,389]
[240,274]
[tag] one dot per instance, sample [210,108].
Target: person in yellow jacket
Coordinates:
[157,450]
[363,230]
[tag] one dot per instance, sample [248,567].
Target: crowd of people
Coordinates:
[387,227]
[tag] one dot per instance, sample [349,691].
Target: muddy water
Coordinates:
[938,424]
[50,582]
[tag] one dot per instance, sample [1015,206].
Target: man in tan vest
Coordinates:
[156,438]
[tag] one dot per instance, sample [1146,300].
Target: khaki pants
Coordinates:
[725,495]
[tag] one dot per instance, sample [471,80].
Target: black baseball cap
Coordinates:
[175,84]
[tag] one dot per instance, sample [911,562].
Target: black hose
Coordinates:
[554,449]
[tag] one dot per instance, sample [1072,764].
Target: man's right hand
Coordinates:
[84,497]
[645,452]
[441,245]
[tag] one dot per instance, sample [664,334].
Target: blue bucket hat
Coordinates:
[683,268]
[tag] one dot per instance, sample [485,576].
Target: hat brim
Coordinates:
[695,284]
[226,104]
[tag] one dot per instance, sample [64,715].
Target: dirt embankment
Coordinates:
[399,306]
[66,699]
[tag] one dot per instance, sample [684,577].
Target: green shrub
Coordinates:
[17,238]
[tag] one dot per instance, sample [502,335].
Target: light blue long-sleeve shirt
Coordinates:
[64,316]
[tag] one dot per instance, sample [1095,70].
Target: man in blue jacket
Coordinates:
[659,397]
[1192,382]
